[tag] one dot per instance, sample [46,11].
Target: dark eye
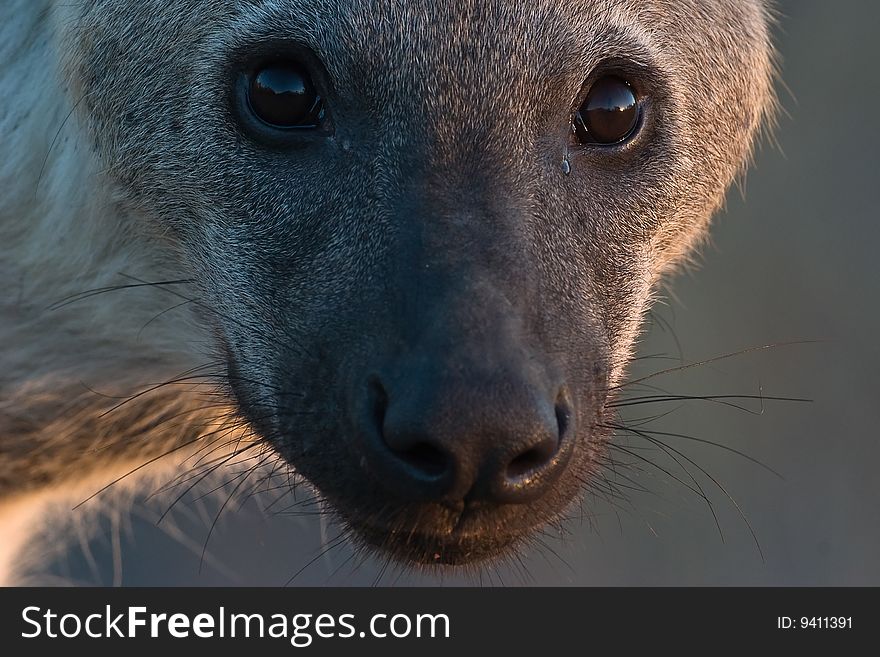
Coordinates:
[283,96]
[610,113]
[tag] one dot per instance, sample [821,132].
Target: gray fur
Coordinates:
[451,125]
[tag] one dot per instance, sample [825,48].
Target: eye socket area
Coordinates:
[610,113]
[282,95]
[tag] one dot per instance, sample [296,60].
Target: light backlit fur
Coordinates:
[63,368]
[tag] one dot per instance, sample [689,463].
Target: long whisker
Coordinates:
[715,359]
[88,294]
[137,469]
[715,481]
[217,517]
[727,448]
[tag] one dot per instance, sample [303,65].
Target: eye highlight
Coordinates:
[282,95]
[609,114]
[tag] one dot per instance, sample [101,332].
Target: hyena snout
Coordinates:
[466,422]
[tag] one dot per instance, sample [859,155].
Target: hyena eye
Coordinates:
[609,114]
[283,96]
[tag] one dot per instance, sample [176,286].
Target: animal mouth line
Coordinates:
[469,536]
[426,547]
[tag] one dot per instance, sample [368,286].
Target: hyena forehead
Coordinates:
[441,52]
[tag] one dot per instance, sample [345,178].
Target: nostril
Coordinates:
[424,458]
[529,461]
[541,453]
[378,402]
[563,416]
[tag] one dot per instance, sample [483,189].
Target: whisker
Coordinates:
[719,399]
[217,519]
[718,484]
[339,540]
[88,294]
[253,329]
[716,359]
[727,448]
[672,454]
[199,480]
[159,315]
[659,467]
[134,470]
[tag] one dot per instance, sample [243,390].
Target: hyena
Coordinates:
[403,248]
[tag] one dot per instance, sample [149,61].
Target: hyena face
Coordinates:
[423,233]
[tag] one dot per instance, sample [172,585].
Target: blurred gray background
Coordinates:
[795,259]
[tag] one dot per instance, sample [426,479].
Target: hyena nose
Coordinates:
[504,441]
